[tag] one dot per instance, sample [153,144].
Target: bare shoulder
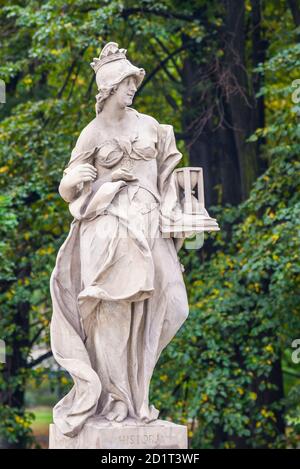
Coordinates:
[90,127]
[149,120]
[87,137]
[150,124]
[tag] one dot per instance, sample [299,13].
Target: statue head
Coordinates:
[114,71]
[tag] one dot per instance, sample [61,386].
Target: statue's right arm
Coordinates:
[74,177]
[67,192]
[69,184]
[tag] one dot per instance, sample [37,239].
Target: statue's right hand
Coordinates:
[81,173]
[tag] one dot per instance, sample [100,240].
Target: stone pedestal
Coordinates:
[102,434]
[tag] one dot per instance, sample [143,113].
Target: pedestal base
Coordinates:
[102,434]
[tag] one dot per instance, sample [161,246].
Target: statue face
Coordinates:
[125,92]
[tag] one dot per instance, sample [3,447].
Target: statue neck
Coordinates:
[113,112]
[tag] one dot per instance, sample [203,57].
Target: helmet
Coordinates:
[113,66]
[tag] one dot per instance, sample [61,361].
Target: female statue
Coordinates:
[117,288]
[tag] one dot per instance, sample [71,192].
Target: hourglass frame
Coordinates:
[188,178]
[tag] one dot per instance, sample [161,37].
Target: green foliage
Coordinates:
[244,312]
[15,426]
[245,302]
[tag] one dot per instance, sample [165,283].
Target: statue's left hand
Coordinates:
[123,174]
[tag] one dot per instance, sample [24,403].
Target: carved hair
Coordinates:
[102,96]
[104,93]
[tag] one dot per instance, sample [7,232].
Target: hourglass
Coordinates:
[190,187]
[188,179]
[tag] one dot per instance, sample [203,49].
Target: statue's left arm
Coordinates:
[168,158]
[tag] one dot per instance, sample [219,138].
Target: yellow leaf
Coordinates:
[164,378]
[269,348]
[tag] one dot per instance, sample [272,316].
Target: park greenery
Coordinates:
[224,74]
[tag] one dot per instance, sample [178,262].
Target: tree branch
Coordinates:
[162,64]
[157,12]
[126,12]
[165,49]
[168,73]
[71,68]
[39,360]
[36,336]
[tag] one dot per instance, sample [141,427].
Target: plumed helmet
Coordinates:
[113,66]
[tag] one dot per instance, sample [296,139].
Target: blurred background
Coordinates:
[226,75]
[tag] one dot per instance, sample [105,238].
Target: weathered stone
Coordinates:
[101,434]
[117,288]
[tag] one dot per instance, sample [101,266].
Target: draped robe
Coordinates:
[117,289]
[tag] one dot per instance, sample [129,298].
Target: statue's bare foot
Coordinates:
[118,413]
[122,412]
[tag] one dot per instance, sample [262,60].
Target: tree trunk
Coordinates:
[16,363]
[241,101]
[295,10]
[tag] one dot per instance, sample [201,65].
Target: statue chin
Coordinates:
[128,101]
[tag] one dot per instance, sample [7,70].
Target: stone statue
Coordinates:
[117,288]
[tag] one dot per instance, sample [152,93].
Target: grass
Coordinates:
[40,426]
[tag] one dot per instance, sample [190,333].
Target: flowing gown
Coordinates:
[117,288]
